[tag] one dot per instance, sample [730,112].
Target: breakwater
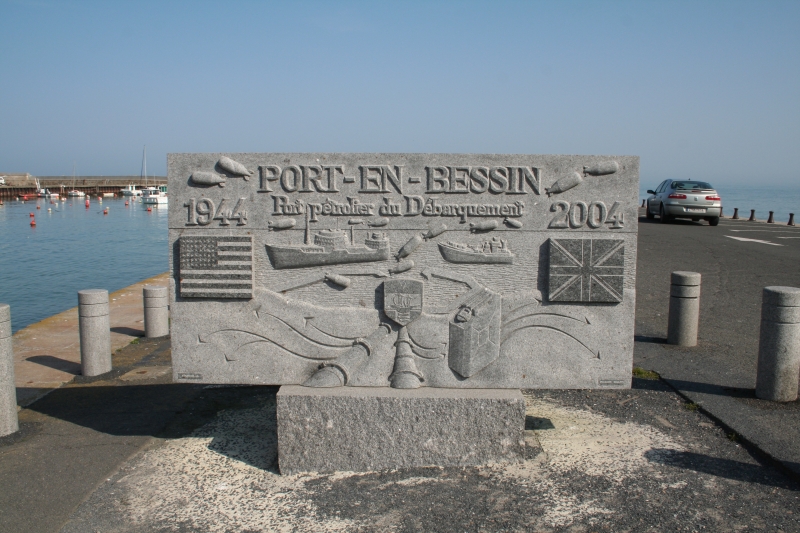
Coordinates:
[18,187]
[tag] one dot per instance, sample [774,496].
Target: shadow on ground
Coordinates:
[57,363]
[123,330]
[724,468]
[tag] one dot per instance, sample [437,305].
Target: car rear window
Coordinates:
[691,185]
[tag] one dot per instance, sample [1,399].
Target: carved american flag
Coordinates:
[216,267]
[586,270]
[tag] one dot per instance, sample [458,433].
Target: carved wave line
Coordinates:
[523,306]
[311,339]
[510,334]
[505,324]
[350,339]
[230,355]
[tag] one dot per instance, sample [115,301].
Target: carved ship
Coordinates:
[331,247]
[494,251]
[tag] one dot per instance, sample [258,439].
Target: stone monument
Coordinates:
[367,280]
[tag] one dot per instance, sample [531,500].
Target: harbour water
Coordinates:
[72,248]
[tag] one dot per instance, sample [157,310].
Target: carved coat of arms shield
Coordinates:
[402,299]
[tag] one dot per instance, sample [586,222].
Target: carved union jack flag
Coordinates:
[586,270]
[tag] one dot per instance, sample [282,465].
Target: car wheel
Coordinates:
[649,214]
[663,215]
[713,221]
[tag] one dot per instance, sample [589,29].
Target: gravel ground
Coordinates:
[630,460]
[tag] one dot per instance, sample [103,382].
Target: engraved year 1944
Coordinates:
[203,211]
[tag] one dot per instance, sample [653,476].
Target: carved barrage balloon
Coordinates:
[565,184]
[601,169]
[484,225]
[409,247]
[201,177]
[234,167]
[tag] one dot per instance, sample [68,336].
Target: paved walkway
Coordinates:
[48,354]
[736,259]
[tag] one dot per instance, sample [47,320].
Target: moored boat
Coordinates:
[153,195]
[130,190]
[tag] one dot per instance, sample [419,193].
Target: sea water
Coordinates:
[71,248]
[781,199]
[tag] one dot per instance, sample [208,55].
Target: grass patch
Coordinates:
[135,341]
[644,374]
[691,406]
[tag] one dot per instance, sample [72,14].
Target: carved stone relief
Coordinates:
[402,270]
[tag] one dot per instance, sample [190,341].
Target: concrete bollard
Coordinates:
[752,216]
[735,213]
[771,219]
[791,219]
[720,213]
[9,423]
[684,308]
[779,345]
[95,332]
[156,311]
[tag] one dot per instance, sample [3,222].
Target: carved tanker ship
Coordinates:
[494,251]
[330,247]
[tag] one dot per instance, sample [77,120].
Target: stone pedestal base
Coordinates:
[363,429]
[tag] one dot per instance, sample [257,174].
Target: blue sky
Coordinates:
[697,89]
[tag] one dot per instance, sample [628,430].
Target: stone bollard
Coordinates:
[9,423]
[735,213]
[156,311]
[771,219]
[779,345]
[791,219]
[752,216]
[95,332]
[684,308]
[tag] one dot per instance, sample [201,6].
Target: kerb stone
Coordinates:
[365,429]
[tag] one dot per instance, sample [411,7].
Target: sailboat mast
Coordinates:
[144,164]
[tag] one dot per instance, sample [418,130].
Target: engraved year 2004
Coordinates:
[203,211]
[578,214]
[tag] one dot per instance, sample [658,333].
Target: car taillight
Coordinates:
[714,198]
[678,196]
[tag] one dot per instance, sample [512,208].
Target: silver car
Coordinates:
[684,199]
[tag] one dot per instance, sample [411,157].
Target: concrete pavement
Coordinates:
[47,354]
[736,259]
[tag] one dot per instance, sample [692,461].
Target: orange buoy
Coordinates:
[149,209]
[126,203]
[32,215]
[33,222]
[38,207]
